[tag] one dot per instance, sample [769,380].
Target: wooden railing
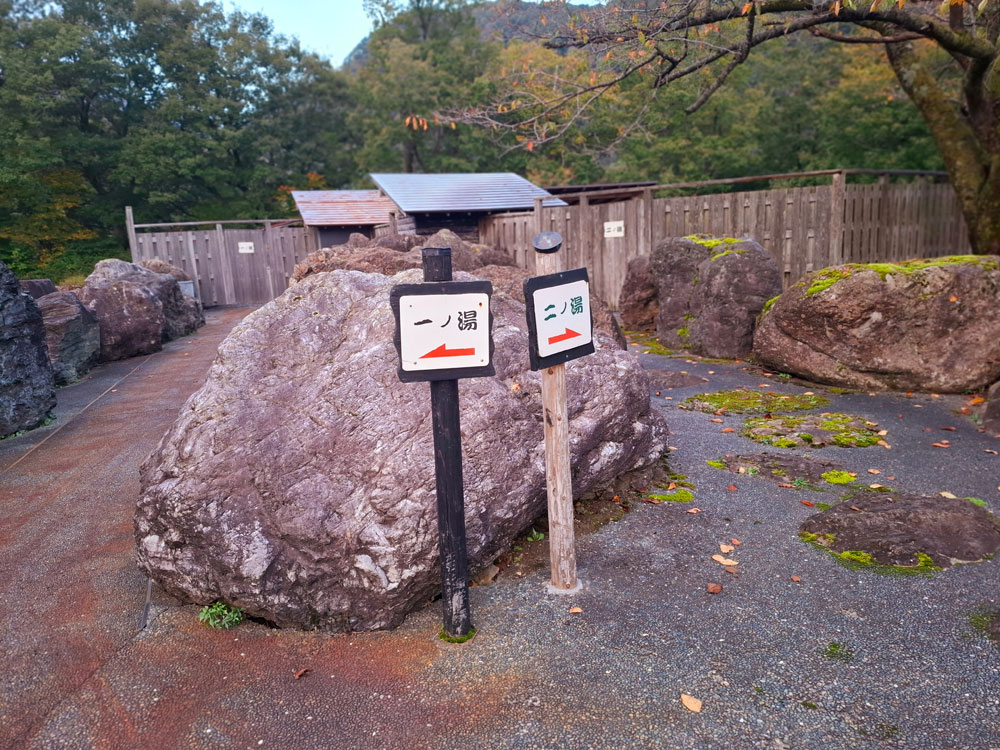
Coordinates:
[803,228]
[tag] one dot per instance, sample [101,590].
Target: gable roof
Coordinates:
[342,207]
[440,193]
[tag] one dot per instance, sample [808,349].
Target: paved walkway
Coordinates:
[80,674]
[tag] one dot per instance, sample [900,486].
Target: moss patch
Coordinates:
[854,559]
[838,477]
[839,651]
[812,431]
[827,277]
[769,304]
[706,240]
[724,253]
[977,501]
[740,401]
[716,464]
[457,639]
[677,496]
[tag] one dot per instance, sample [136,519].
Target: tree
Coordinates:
[946,58]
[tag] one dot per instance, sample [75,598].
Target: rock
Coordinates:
[710,293]
[923,325]
[991,416]
[161,266]
[130,316]
[894,527]
[298,482]
[782,468]
[467,256]
[38,287]
[398,242]
[181,314]
[72,335]
[376,258]
[26,383]
[637,301]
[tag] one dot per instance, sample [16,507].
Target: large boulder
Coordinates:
[26,384]
[156,265]
[181,314]
[379,258]
[637,301]
[72,335]
[130,316]
[38,287]
[921,325]
[298,482]
[991,415]
[710,293]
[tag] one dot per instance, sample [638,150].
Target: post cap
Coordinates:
[547,242]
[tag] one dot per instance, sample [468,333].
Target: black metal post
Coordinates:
[448,474]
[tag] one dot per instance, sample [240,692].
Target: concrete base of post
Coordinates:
[555,590]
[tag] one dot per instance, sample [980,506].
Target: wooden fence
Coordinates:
[230,265]
[804,228]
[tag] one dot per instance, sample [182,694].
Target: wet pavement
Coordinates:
[911,671]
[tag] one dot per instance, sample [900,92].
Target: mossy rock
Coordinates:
[740,401]
[903,532]
[782,468]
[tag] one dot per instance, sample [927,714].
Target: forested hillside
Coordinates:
[186,112]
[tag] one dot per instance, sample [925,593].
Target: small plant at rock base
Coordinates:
[535,536]
[221,615]
[977,501]
[457,639]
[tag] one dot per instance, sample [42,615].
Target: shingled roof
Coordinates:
[480,192]
[326,208]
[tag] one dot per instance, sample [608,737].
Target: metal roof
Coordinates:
[440,193]
[325,208]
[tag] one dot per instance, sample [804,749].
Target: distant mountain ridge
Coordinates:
[500,20]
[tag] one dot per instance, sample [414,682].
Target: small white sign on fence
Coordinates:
[614,229]
[245,248]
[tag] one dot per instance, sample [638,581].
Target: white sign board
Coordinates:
[562,317]
[614,229]
[444,331]
[245,248]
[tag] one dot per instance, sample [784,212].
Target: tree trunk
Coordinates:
[971,152]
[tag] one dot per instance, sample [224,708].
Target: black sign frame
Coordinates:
[440,287]
[542,282]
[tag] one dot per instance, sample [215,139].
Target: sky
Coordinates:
[330,28]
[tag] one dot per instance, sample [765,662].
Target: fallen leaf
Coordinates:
[668,398]
[949,429]
[942,444]
[742,470]
[874,471]
[714,588]
[724,560]
[711,372]
[807,503]
[884,445]
[736,542]
[302,672]
[935,395]
[728,429]
[694,510]
[882,433]
[720,412]
[672,486]
[657,393]
[948,495]
[891,478]
[616,499]
[990,451]
[651,500]
[952,298]
[734,571]
[855,507]
[733,488]
[786,486]
[808,393]
[875,486]
[727,548]
[575,610]
[796,579]
[976,400]
[764,385]
[718,421]
[691,703]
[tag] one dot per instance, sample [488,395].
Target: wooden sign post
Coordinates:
[559,329]
[444,332]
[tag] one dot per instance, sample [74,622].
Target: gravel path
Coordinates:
[916,674]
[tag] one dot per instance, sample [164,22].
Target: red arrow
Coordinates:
[444,351]
[570,334]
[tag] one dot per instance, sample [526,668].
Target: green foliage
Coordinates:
[677,496]
[458,638]
[739,401]
[838,651]
[535,536]
[220,615]
[978,502]
[837,477]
